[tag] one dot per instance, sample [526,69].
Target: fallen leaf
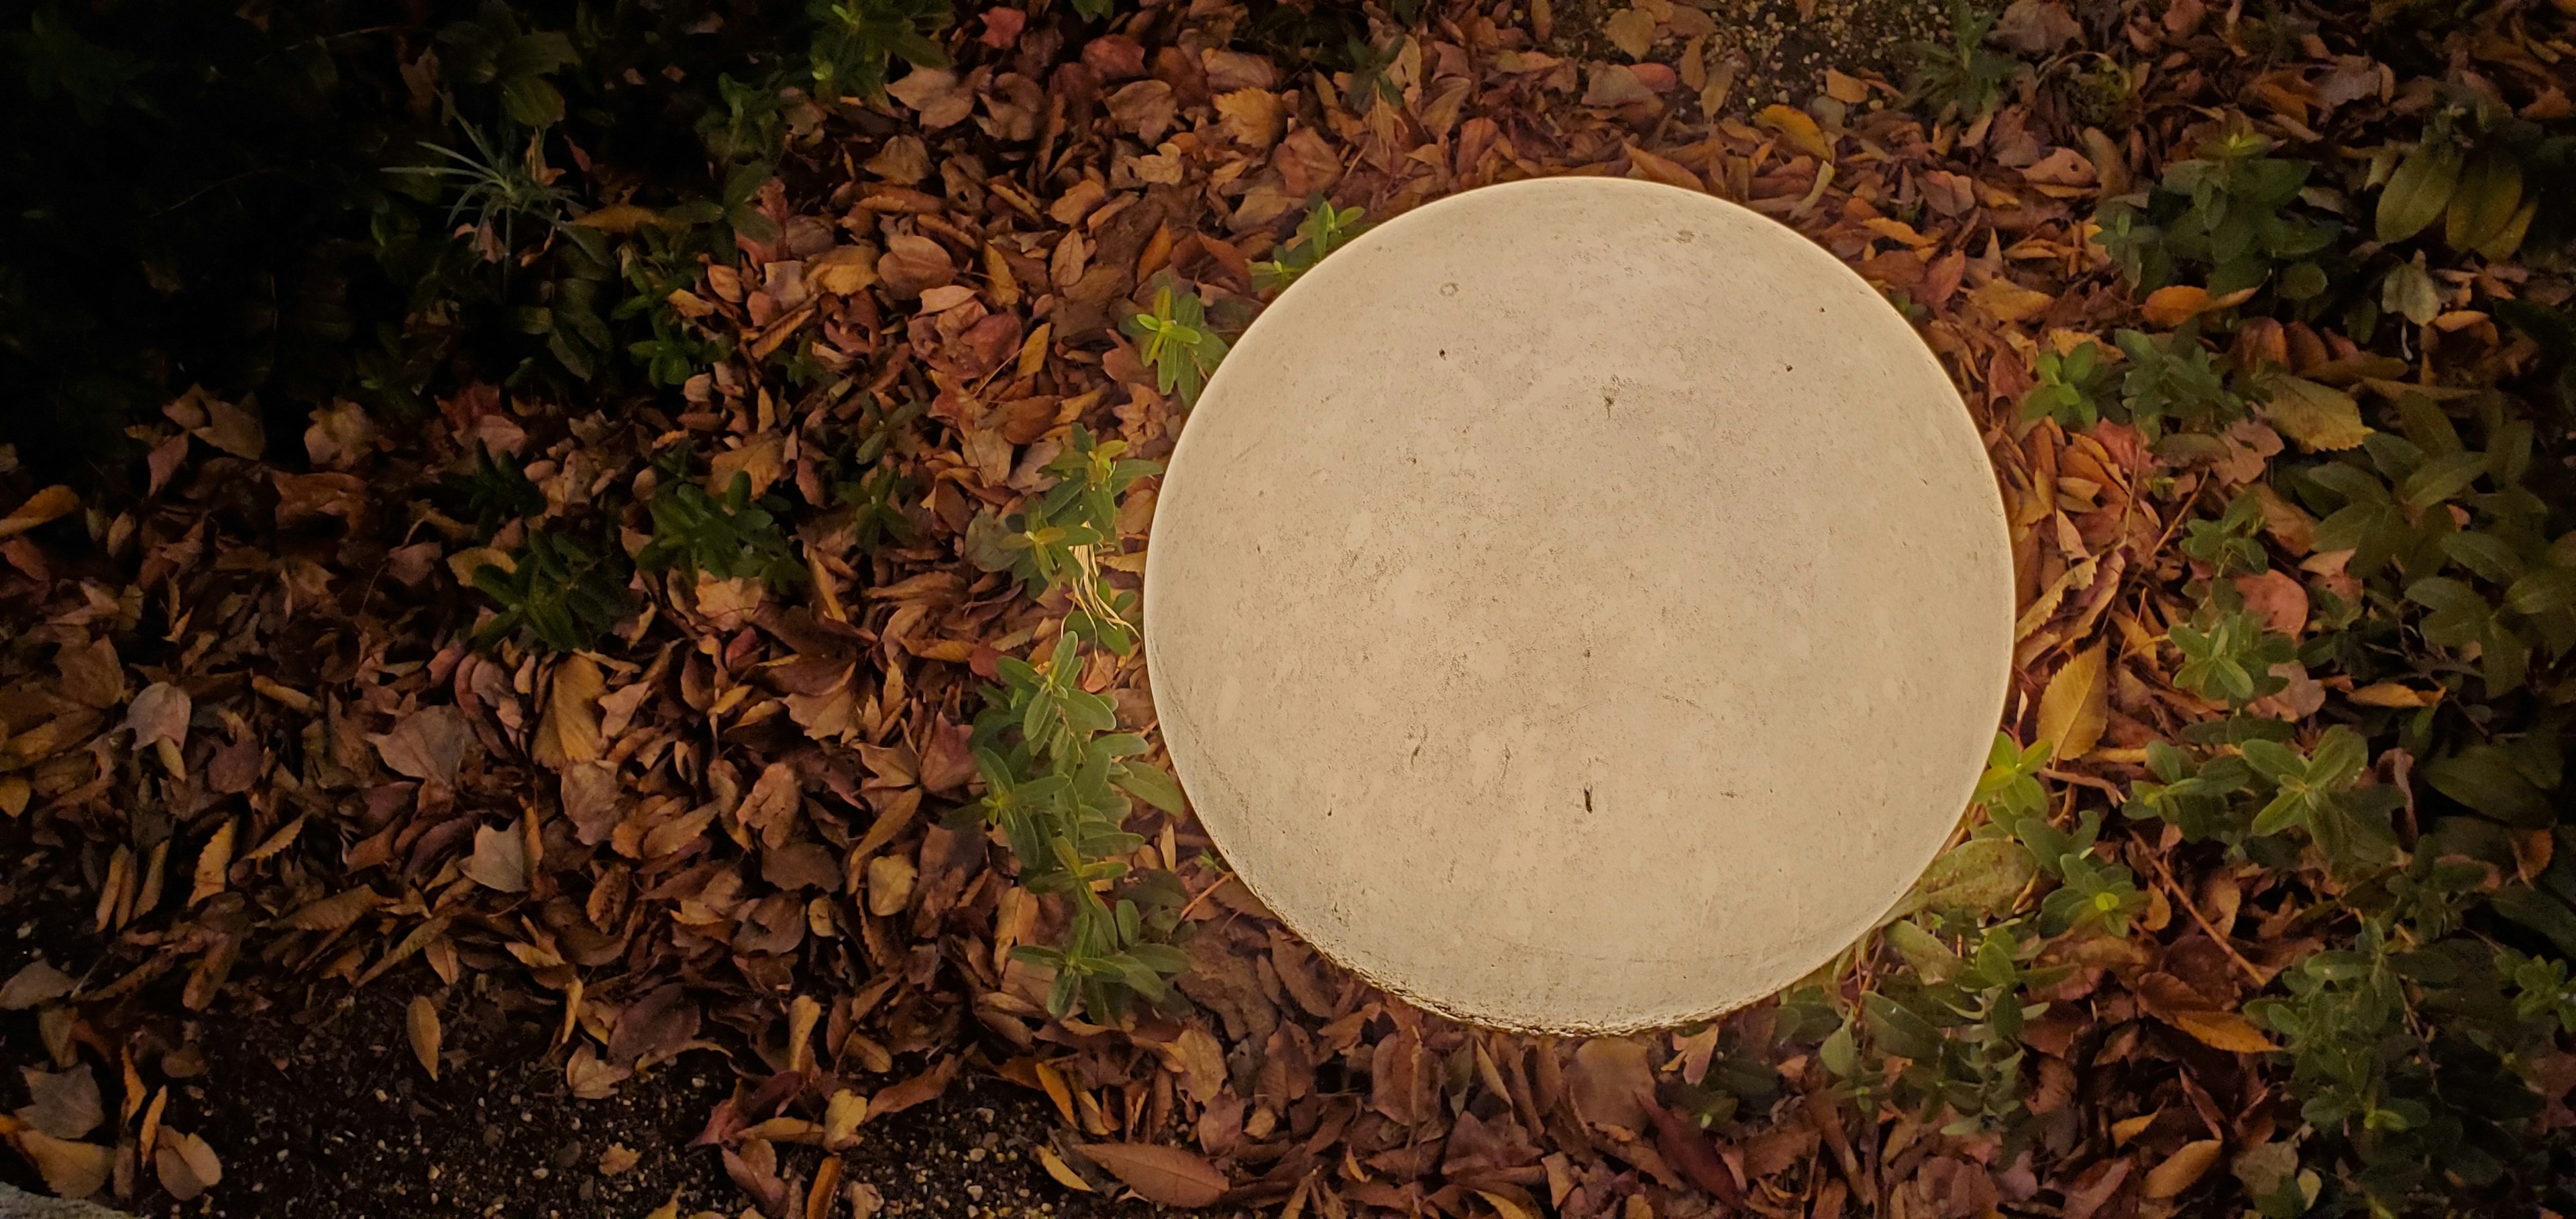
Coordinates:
[2319,417]
[588,1078]
[1632,30]
[2281,602]
[2222,1030]
[1061,1171]
[234,429]
[890,881]
[1607,1075]
[35,982]
[63,1104]
[71,1170]
[159,713]
[213,863]
[2009,301]
[338,437]
[653,1027]
[500,859]
[51,504]
[920,1089]
[428,745]
[1167,1175]
[2169,307]
[1849,90]
[1983,875]
[421,1021]
[569,733]
[936,93]
[1799,129]
[2181,1169]
[187,1165]
[618,1158]
[2075,708]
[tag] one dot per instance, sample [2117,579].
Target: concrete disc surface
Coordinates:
[1579,605]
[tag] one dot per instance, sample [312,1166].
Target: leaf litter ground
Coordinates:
[255,759]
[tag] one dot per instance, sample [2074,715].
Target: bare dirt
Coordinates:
[324,1112]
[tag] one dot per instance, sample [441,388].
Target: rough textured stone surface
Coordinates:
[1579,605]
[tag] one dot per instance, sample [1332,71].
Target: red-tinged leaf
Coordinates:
[1167,1175]
[919,1089]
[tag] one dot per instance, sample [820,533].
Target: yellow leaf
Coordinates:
[1799,129]
[2418,191]
[212,863]
[72,1170]
[1849,90]
[668,1210]
[2009,301]
[422,1022]
[465,563]
[844,270]
[2128,1128]
[2319,417]
[569,735]
[2166,308]
[2224,1031]
[52,503]
[619,218]
[2391,694]
[2076,707]
[1061,1171]
[762,460]
[2180,1169]
[1504,1206]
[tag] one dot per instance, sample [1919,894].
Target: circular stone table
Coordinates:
[1579,605]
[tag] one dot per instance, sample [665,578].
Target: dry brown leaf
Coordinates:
[1608,1075]
[618,1158]
[1798,129]
[1167,1175]
[569,733]
[500,859]
[429,744]
[186,1165]
[2181,1169]
[920,1089]
[51,504]
[2075,708]
[890,882]
[35,982]
[2223,1030]
[71,1170]
[334,912]
[2168,307]
[421,1021]
[1632,30]
[63,1104]
[159,713]
[1061,1171]
[2009,301]
[213,864]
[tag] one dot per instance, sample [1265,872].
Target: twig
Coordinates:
[1204,894]
[2164,874]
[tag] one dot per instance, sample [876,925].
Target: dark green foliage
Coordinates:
[857,40]
[2228,213]
[2072,387]
[495,491]
[557,592]
[1059,539]
[724,538]
[1961,74]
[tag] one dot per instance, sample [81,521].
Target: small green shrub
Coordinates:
[555,590]
[724,538]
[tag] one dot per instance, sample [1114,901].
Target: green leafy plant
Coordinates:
[1174,339]
[2228,655]
[1324,230]
[858,39]
[1962,74]
[495,491]
[2228,542]
[724,538]
[494,191]
[1059,539]
[2228,212]
[1057,778]
[555,589]
[2072,386]
[494,49]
